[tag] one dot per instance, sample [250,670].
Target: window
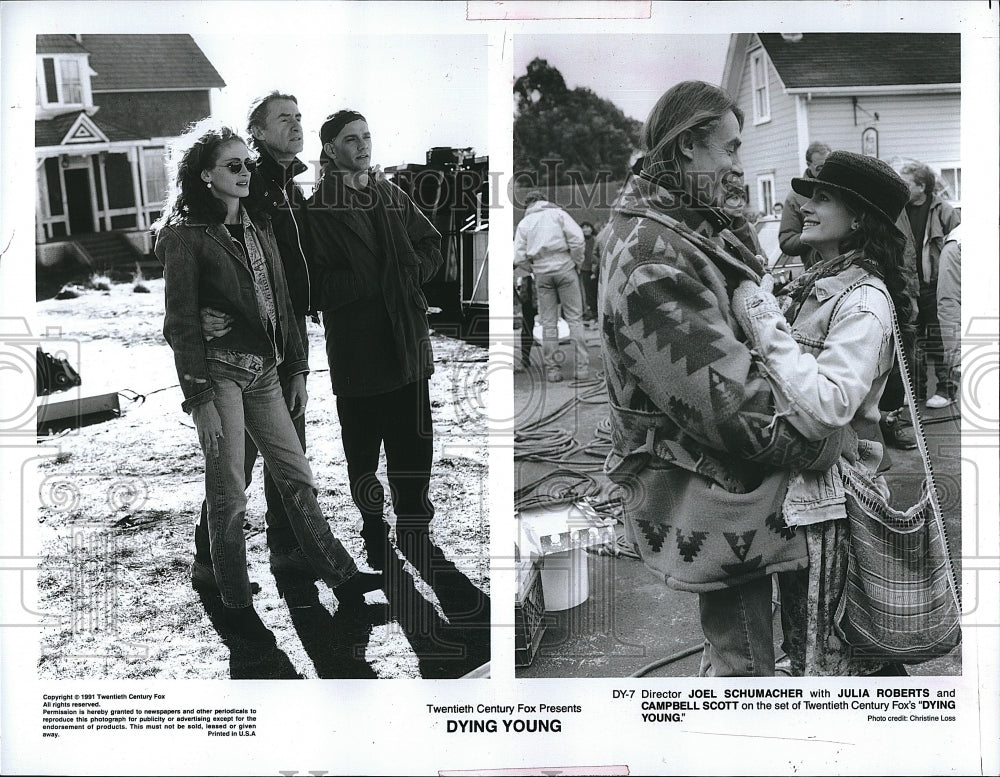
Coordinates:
[759,87]
[951,178]
[765,193]
[154,175]
[72,88]
[61,81]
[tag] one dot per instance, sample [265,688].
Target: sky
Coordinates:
[630,70]
[417,91]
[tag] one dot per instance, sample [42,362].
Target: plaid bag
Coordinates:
[901,600]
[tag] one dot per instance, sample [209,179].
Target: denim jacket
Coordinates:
[204,267]
[829,369]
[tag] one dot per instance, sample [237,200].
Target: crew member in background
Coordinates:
[550,245]
[949,301]
[931,219]
[588,272]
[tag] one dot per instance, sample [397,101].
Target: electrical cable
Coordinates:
[690,651]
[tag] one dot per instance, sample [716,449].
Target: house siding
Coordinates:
[924,127]
[768,148]
[154,114]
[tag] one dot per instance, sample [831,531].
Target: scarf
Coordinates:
[797,291]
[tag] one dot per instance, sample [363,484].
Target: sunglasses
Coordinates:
[236,165]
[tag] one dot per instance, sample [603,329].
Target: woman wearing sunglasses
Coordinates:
[218,253]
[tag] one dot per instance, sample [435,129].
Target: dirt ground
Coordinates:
[119,500]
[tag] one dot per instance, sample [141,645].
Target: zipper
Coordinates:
[302,254]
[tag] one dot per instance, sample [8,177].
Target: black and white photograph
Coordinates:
[245,257]
[712,281]
[598,375]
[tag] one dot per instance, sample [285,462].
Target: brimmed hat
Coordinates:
[866,178]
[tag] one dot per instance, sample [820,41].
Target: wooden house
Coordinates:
[895,96]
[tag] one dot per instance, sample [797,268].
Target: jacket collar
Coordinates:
[273,169]
[707,227]
[833,285]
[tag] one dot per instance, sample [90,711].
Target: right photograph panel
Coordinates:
[737,375]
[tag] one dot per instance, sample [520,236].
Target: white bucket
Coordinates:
[564,579]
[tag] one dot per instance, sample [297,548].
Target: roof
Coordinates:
[58,44]
[825,60]
[139,62]
[52,131]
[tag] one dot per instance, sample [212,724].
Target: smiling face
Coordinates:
[713,169]
[227,185]
[351,150]
[826,221]
[281,133]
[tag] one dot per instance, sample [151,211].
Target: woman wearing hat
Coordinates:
[826,344]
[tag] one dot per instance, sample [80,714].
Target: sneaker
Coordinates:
[246,623]
[553,374]
[898,432]
[937,402]
[292,563]
[203,579]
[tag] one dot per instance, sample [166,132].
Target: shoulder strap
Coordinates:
[918,428]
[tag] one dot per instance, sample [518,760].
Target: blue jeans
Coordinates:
[553,290]
[249,400]
[739,635]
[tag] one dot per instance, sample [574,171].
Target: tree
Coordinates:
[566,135]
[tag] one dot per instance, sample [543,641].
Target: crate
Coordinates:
[529,613]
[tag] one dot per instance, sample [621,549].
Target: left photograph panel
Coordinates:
[261,267]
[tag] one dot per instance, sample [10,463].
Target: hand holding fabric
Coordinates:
[749,295]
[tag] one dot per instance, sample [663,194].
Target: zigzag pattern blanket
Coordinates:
[688,400]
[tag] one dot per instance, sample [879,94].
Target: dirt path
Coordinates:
[119,499]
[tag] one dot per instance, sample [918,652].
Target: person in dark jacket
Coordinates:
[274,124]
[790,232]
[372,250]
[588,272]
[216,254]
[930,220]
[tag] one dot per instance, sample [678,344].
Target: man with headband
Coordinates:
[372,251]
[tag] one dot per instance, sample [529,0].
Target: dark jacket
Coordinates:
[273,190]
[204,267]
[790,231]
[368,265]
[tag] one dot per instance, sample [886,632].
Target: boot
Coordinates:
[351,593]
[375,534]
[246,623]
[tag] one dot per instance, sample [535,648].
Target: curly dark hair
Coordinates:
[882,245]
[188,198]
